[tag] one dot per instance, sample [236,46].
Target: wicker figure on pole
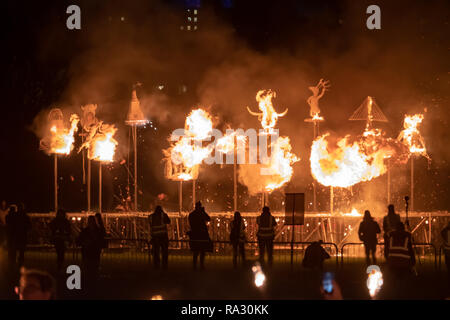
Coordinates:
[135,118]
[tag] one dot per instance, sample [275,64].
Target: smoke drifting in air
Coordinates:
[218,68]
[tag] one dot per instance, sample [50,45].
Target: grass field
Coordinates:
[128,274]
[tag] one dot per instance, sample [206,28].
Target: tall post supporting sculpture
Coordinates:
[135,118]
[313,102]
[180,197]
[412,182]
[331,199]
[89,186]
[135,168]
[389,183]
[100,187]
[56,180]
[235,173]
[193,193]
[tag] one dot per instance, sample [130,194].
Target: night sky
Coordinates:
[239,48]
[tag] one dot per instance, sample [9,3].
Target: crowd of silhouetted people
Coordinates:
[15,226]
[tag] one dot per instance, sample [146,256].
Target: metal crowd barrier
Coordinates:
[223,250]
[129,251]
[381,244]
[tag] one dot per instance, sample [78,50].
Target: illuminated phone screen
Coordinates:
[327,282]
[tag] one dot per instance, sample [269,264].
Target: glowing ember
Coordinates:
[268,115]
[60,139]
[347,163]
[374,280]
[411,136]
[100,143]
[183,158]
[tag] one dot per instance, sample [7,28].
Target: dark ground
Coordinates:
[137,280]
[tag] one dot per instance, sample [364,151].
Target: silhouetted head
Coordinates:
[12,209]
[61,214]
[21,207]
[35,285]
[400,226]
[158,210]
[319,241]
[266,210]
[367,215]
[91,222]
[391,209]
[198,205]
[237,216]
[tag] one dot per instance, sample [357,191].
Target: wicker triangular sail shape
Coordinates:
[369,111]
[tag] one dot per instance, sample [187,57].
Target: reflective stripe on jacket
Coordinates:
[399,255]
[158,230]
[266,232]
[447,243]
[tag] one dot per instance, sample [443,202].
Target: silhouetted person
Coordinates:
[445,233]
[390,222]
[315,255]
[400,252]
[199,236]
[266,234]
[101,229]
[60,234]
[368,230]
[158,221]
[90,239]
[237,237]
[3,212]
[36,285]
[17,224]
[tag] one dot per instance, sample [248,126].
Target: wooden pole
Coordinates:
[412,183]
[235,175]
[331,200]
[56,181]
[316,129]
[180,197]
[100,187]
[389,183]
[135,168]
[193,193]
[89,186]
[293,234]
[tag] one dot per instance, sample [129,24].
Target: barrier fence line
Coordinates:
[221,249]
[415,245]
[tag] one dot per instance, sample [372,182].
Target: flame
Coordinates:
[184,157]
[260,278]
[226,144]
[62,139]
[100,143]
[268,115]
[274,173]
[280,165]
[353,213]
[348,163]
[316,117]
[411,136]
[374,281]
